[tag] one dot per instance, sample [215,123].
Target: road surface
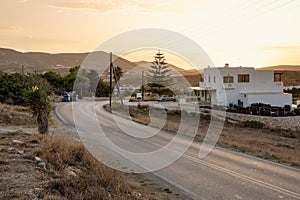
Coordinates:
[223,174]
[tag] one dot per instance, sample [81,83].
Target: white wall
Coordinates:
[273,99]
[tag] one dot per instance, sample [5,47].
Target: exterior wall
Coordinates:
[273,99]
[213,97]
[260,88]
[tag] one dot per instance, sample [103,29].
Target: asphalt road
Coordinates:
[223,174]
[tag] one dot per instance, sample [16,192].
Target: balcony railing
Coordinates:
[205,85]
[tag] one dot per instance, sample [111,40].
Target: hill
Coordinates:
[281,68]
[290,73]
[193,76]
[11,61]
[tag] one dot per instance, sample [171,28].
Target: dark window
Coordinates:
[243,78]
[228,79]
[277,77]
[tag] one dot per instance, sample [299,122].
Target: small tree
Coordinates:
[159,75]
[40,107]
[118,72]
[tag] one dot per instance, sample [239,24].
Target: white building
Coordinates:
[243,86]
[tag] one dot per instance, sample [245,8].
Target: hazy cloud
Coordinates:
[105,6]
[280,48]
[10,28]
[23,1]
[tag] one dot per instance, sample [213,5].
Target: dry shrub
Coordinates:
[1,107]
[143,106]
[79,175]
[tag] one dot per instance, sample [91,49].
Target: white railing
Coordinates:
[204,85]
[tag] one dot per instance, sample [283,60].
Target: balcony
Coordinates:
[205,85]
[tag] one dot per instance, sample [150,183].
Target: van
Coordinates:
[138,95]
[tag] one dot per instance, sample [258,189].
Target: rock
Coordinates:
[136,194]
[17,142]
[37,159]
[11,149]
[21,152]
[41,164]
[72,171]
[134,184]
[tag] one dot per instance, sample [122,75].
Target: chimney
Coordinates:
[226,65]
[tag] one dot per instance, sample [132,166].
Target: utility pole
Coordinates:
[143,85]
[110,79]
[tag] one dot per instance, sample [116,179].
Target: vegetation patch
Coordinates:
[252,124]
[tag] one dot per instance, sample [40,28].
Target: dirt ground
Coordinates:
[282,146]
[53,167]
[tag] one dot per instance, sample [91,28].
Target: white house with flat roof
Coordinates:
[242,86]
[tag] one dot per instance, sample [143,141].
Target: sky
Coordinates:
[255,33]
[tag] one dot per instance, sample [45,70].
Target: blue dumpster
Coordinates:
[66,98]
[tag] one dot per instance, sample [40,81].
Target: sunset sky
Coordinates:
[240,32]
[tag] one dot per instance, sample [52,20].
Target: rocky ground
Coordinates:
[278,145]
[57,167]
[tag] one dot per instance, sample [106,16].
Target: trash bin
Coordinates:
[74,97]
[66,98]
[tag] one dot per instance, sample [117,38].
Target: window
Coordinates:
[277,77]
[228,79]
[243,78]
[209,79]
[214,79]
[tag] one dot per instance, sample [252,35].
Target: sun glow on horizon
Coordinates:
[247,33]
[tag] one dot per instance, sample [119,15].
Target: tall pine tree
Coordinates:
[158,75]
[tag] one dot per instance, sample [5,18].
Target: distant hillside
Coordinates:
[290,73]
[173,67]
[192,75]
[12,61]
[282,68]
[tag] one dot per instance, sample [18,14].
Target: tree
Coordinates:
[70,78]
[55,79]
[40,107]
[159,75]
[93,81]
[118,72]
[103,89]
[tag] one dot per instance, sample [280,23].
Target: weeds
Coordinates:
[80,176]
[253,124]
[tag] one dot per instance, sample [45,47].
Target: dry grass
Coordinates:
[79,175]
[15,115]
[248,137]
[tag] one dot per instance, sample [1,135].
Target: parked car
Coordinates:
[165,98]
[138,95]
